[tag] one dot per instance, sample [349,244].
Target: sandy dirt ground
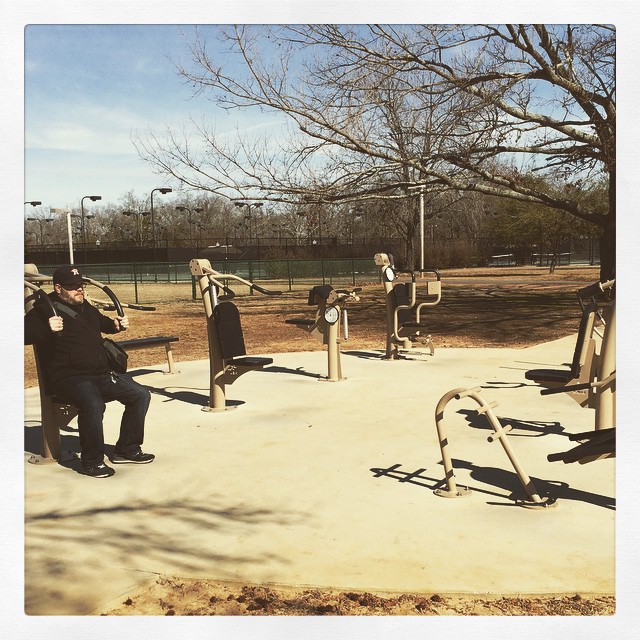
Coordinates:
[183,597]
[511,307]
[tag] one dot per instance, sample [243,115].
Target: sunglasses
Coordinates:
[72,287]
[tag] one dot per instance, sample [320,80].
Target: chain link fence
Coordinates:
[149,283]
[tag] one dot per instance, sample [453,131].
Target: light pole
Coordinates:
[164,191]
[311,222]
[87,217]
[82,232]
[70,230]
[201,228]
[421,187]
[189,218]
[40,221]
[35,203]
[278,229]
[138,215]
[70,234]
[255,205]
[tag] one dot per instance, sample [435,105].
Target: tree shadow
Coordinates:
[135,536]
[501,316]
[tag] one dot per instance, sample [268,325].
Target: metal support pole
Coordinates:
[70,235]
[334,368]
[421,231]
[605,405]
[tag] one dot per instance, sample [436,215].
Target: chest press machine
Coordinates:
[227,351]
[331,324]
[55,413]
[404,325]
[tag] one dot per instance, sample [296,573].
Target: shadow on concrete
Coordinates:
[500,384]
[190,397]
[366,355]
[33,440]
[531,428]
[144,534]
[379,355]
[506,481]
[298,371]
[141,372]
[509,480]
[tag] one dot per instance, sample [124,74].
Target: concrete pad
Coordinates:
[308,482]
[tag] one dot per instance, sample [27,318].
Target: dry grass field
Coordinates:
[506,306]
[513,307]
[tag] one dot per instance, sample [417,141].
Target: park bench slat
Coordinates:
[140,343]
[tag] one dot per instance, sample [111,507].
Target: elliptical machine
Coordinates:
[405,328]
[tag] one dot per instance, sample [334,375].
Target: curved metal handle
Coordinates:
[114,299]
[42,296]
[107,290]
[264,291]
[112,296]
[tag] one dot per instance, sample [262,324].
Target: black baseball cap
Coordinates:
[67,275]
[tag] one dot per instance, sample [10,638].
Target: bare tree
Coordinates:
[374,110]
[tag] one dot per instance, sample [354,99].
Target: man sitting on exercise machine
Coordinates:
[76,369]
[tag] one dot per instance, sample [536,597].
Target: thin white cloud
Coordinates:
[83,128]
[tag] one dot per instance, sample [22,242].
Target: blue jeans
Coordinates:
[89,394]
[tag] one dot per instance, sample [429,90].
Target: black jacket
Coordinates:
[77,349]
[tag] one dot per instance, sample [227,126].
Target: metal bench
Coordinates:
[148,343]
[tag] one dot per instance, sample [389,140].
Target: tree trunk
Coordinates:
[608,252]
[608,237]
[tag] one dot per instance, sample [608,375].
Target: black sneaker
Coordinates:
[132,458]
[98,471]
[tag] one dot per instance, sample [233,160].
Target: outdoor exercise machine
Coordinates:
[404,325]
[330,324]
[55,413]
[227,351]
[594,445]
[594,385]
[590,380]
[534,499]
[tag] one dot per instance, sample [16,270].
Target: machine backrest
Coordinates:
[402,297]
[585,335]
[319,293]
[30,298]
[226,319]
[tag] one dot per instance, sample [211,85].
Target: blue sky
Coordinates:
[88,88]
